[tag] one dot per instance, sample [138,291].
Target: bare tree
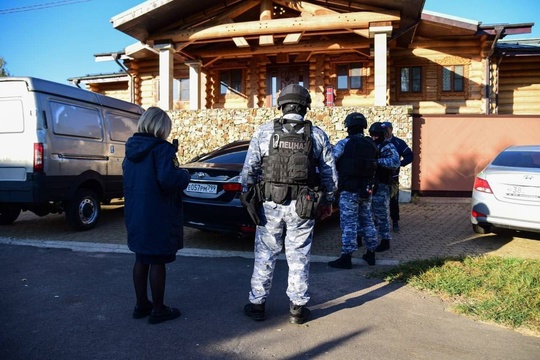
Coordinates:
[3,70]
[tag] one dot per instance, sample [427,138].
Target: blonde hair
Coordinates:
[156,122]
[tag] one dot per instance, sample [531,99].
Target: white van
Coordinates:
[61,149]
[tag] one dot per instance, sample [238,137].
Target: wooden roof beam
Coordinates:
[240,41]
[266,14]
[262,59]
[266,40]
[214,15]
[356,20]
[306,9]
[282,58]
[292,38]
[325,45]
[303,57]
[266,10]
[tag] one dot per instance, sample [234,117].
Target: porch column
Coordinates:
[166,67]
[194,84]
[380,32]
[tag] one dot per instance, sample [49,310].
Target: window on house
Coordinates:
[181,89]
[349,76]
[453,79]
[231,80]
[411,79]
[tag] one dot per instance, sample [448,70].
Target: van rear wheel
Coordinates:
[8,214]
[82,213]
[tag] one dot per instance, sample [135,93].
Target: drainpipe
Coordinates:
[116,58]
[498,32]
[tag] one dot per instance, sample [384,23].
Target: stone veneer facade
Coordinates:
[200,131]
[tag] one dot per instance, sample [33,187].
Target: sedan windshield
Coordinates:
[528,159]
[236,157]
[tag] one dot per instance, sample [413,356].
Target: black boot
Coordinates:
[255,311]
[344,262]
[298,314]
[359,239]
[369,257]
[383,246]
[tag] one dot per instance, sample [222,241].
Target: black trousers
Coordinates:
[394,202]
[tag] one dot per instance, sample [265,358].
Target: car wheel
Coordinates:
[82,213]
[8,214]
[481,229]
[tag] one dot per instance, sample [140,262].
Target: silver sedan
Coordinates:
[506,194]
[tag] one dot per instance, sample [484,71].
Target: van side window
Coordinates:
[13,117]
[121,126]
[75,120]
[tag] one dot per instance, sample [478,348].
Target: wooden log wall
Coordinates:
[433,56]
[519,86]
[515,85]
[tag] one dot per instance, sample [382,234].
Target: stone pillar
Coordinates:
[166,68]
[380,32]
[194,84]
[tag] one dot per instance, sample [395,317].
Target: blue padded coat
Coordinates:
[153,185]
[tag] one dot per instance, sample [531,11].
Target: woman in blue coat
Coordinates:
[153,185]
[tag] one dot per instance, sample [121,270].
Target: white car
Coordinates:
[506,194]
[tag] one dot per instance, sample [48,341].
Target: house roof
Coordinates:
[523,47]
[155,15]
[192,25]
[435,25]
[216,29]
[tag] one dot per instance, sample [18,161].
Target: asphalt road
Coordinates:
[63,304]
[68,295]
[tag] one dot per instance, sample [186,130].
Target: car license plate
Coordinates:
[523,192]
[202,188]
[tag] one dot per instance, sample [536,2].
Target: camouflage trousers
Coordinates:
[281,225]
[355,219]
[381,211]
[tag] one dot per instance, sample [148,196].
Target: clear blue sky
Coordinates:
[57,39]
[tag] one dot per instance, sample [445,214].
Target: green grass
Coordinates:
[488,288]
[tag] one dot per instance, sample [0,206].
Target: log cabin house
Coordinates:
[238,54]
[435,76]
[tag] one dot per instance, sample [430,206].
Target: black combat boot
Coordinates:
[255,311]
[383,246]
[298,314]
[344,262]
[369,257]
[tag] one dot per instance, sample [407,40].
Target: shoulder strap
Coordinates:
[307,127]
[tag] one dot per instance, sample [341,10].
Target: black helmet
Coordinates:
[377,128]
[355,119]
[294,94]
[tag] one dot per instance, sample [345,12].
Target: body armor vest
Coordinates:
[290,164]
[358,164]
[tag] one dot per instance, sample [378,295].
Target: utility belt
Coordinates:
[307,199]
[280,193]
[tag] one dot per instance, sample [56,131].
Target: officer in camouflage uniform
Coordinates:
[387,164]
[356,162]
[406,157]
[291,162]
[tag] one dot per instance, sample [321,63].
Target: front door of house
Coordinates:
[280,76]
